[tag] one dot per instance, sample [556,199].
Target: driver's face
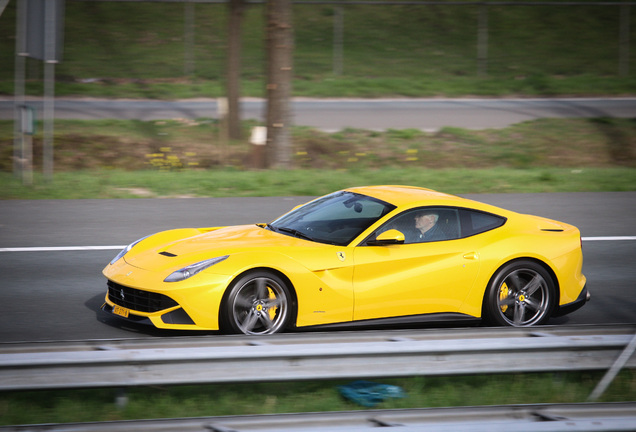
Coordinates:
[424,222]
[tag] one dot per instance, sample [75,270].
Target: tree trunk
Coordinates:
[280,47]
[237,9]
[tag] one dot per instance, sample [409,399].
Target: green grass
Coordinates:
[316,396]
[233,183]
[127,144]
[117,158]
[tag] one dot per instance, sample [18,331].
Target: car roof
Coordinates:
[412,196]
[403,195]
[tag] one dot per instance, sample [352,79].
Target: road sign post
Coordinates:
[39,35]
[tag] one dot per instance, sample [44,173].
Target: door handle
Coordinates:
[471,256]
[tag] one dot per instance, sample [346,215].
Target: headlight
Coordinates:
[126,249]
[193,269]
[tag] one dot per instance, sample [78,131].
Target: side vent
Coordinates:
[552,230]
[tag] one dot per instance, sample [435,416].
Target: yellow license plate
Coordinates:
[118,310]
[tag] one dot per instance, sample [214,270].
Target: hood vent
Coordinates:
[168,254]
[552,229]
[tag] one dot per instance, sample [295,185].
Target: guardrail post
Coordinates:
[121,399]
[613,371]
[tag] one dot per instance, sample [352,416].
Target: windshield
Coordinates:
[336,219]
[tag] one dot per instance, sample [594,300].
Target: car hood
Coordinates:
[176,254]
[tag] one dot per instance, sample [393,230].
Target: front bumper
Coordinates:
[132,318]
[140,295]
[175,316]
[183,307]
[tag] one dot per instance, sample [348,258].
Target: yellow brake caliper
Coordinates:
[503,294]
[272,311]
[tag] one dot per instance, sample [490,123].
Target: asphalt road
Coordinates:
[336,114]
[56,294]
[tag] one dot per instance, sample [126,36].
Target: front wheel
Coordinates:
[521,294]
[258,303]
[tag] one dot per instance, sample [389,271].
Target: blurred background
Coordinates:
[169,51]
[387,48]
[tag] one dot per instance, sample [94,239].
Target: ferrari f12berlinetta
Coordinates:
[364,255]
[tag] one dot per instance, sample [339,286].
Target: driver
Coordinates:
[426,228]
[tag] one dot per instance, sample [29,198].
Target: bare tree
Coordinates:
[280,47]
[237,10]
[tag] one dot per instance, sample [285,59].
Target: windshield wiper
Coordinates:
[293,232]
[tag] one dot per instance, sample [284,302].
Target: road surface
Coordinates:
[336,114]
[56,294]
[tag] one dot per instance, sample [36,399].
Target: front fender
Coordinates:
[324,293]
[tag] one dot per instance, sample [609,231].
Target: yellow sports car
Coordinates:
[364,255]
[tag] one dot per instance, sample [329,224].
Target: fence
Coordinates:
[597,417]
[195,360]
[127,363]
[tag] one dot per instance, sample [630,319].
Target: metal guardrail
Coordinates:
[597,417]
[308,356]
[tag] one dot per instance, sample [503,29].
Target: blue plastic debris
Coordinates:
[369,394]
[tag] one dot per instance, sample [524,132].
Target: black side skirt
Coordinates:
[565,309]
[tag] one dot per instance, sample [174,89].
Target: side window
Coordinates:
[476,222]
[425,224]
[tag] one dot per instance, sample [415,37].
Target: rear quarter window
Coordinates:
[476,222]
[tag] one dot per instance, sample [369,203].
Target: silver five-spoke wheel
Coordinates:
[521,294]
[258,303]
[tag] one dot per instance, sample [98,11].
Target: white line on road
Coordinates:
[609,238]
[60,248]
[98,248]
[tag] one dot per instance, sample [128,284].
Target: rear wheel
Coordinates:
[521,294]
[258,303]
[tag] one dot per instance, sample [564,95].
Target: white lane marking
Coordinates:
[609,238]
[60,248]
[98,248]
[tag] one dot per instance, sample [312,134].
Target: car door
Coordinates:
[417,277]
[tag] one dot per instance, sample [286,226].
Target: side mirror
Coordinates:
[389,237]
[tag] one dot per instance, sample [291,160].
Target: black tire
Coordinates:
[521,294]
[257,303]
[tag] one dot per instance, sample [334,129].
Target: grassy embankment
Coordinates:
[175,158]
[264,398]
